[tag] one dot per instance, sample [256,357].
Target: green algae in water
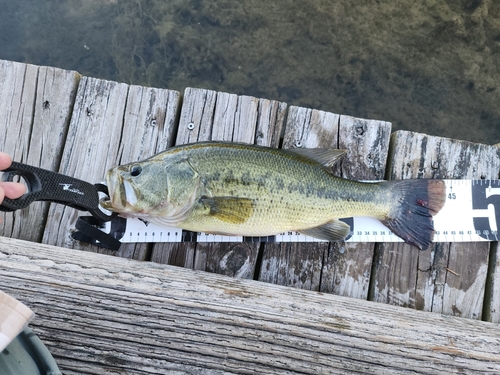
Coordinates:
[428,66]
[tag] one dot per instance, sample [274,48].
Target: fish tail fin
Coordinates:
[416,202]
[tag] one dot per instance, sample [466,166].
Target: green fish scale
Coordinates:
[288,189]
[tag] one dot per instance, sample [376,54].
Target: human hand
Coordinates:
[10,190]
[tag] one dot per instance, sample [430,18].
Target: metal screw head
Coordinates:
[190,126]
[298,143]
[359,130]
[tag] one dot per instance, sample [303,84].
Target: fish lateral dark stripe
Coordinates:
[248,190]
[417,202]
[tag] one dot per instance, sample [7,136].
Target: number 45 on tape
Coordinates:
[471,211]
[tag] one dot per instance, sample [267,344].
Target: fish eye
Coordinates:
[136,170]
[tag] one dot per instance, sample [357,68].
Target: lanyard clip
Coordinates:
[44,185]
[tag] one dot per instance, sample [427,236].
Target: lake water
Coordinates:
[426,66]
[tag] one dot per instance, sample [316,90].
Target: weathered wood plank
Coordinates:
[337,268]
[294,264]
[347,266]
[91,148]
[367,145]
[35,108]
[114,123]
[18,95]
[111,123]
[228,117]
[155,112]
[447,278]
[100,314]
[235,120]
[491,310]
[195,125]
[270,122]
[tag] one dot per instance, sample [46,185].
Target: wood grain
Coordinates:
[100,314]
[294,264]
[341,268]
[347,266]
[195,125]
[491,310]
[225,117]
[111,123]
[447,278]
[235,120]
[81,126]
[149,125]
[35,109]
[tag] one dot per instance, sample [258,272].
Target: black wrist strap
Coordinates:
[88,231]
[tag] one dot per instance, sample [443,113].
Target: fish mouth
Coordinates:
[122,195]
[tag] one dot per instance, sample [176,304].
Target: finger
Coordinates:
[5,161]
[2,195]
[12,190]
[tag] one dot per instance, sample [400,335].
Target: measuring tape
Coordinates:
[471,213]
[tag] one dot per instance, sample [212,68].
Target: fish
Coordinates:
[248,190]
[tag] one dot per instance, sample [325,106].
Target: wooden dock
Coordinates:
[81,126]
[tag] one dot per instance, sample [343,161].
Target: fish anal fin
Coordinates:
[334,230]
[233,210]
[325,156]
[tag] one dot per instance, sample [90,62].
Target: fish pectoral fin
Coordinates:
[325,156]
[334,230]
[234,210]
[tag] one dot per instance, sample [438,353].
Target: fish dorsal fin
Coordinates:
[233,210]
[334,230]
[325,156]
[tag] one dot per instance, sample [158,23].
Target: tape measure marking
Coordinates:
[471,213]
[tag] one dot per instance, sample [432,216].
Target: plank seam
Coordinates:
[489,283]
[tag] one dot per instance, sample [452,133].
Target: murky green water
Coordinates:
[427,66]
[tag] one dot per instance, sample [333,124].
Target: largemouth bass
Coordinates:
[247,190]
